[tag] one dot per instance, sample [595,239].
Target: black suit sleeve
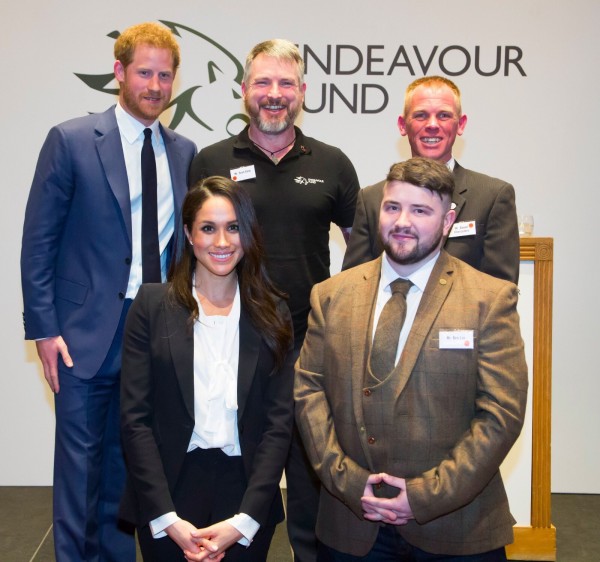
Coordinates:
[146,474]
[501,246]
[359,243]
[364,244]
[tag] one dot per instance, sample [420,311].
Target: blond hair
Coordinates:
[431,81]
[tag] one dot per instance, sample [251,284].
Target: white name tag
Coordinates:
[243,173]
[456,339]
[464,228]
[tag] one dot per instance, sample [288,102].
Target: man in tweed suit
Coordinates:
[409,461]
[485,233]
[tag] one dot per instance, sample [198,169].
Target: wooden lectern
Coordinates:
[538,540]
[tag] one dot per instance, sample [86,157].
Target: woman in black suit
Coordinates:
[206,392]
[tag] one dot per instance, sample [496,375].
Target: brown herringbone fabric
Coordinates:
[387,334]
[450,417]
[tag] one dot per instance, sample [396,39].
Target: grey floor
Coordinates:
[26,533]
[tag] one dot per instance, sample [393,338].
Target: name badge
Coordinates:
[456,339]
[243,173]
[464,228]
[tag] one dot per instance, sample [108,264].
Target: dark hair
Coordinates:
[258,295]
[424,172]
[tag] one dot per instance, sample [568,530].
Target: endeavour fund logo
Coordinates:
[341,78]
[359,78]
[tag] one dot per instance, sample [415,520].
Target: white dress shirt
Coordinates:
[132,140]
[216,356]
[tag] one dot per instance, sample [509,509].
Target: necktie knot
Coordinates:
[147,134]
[401,286]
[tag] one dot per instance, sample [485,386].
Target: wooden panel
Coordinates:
[538,542]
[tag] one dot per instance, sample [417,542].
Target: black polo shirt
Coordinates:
[296,201]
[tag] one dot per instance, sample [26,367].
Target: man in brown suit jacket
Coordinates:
[409,461]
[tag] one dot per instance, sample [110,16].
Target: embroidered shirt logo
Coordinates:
[306,181]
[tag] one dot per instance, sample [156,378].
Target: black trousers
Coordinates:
[210,489]
[391,547]
[303,489]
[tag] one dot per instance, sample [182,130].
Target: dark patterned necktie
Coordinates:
[387,334]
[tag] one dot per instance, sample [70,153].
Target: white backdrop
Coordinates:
[538,131]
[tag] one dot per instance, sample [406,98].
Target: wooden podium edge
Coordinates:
[533,543]
[538,542]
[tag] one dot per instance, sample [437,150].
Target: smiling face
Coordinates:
[215,238]
[146,83]
[413,223]
[432,122]
[273,95]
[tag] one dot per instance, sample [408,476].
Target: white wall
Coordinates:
[538,131]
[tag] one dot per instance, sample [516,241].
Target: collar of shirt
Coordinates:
[301,146]
[234,315]
[131,129]
[419,277]
[451,163]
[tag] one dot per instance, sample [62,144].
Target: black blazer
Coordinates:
[157,409]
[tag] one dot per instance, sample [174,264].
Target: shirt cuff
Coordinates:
[158,525]
[245,525]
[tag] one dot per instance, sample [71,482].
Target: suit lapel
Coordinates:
[177,167]
[459,189]
[249,349]
[110,151]
[181,342]
[437,289]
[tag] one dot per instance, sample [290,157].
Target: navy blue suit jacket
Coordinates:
[76,251]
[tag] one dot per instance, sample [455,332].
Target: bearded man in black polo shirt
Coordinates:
[299,186]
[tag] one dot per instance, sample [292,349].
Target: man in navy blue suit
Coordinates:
[81,265]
